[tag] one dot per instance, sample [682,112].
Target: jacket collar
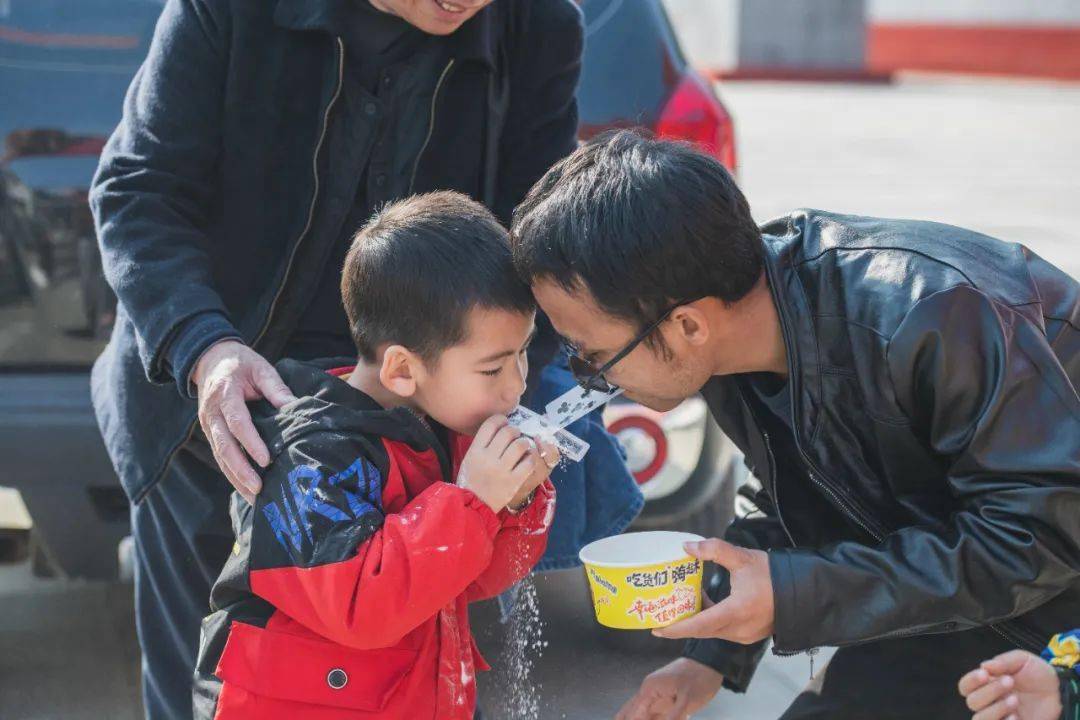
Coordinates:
[330,402]
[476,39]
[797,326]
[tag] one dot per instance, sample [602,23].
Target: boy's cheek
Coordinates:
[465,405]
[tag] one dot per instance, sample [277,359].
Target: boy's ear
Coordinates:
[399,370]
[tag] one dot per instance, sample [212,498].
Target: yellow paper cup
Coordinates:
[643,580]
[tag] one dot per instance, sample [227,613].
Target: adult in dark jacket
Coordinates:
[255,138]
[906,391]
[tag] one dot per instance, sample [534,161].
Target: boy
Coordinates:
[381,516]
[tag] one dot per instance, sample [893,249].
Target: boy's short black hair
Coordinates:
[419,265]
[641,223]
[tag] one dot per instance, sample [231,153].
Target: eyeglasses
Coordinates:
[592,378]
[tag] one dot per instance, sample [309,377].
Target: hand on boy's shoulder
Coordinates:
[503,467]
[227,376]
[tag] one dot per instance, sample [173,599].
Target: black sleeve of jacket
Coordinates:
[737,663]
[155,189]
[983,386]
[541,123]
[542,118]
[321,499]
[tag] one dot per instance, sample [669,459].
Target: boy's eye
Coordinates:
[491,373]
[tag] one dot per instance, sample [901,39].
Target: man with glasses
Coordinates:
[906,392]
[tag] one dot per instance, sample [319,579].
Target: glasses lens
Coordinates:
[584,372]
[587,376]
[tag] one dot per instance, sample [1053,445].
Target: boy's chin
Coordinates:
[460,428]
[466,426]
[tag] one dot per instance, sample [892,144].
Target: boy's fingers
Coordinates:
[524,469]
[549,453]
[990,693]
[517,451]
[973,681]
[527,463]
[488,429]
[502,439]
[999,710]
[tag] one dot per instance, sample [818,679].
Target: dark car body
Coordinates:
[64,68]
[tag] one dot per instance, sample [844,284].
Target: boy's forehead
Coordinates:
[497,329]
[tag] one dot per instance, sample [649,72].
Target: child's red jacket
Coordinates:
[347,592]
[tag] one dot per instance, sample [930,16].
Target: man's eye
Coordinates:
[491,373]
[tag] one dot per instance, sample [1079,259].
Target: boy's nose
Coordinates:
[516,383]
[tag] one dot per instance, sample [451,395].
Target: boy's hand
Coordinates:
[1015,684]
[548,457]
[499,461]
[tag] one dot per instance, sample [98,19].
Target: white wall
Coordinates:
[708,30]
[802,34]
[976,12]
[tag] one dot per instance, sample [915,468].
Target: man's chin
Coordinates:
[655,403]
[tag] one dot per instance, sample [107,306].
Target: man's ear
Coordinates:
[691,324]
[399,370]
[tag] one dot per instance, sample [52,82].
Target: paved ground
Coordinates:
[997,156]
[1000,157]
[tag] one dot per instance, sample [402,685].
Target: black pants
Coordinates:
[182,538]
[911,678]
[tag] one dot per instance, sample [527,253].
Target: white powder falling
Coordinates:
[519,692]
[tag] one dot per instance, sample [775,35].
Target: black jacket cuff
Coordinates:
[191,340]
[737,663]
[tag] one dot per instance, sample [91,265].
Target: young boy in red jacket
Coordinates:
[397,493]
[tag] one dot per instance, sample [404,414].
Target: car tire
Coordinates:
[705,504]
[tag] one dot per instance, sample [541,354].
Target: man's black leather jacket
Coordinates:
[933,480]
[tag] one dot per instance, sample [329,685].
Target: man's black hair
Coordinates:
[419,265]
[641,223]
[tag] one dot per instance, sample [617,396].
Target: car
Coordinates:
[64,68]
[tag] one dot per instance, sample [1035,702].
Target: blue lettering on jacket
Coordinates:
[307,494]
